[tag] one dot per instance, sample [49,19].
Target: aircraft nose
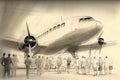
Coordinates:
[99,26]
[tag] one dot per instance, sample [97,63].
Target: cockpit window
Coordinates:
[86,18]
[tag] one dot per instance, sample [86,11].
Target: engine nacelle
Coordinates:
[30,40]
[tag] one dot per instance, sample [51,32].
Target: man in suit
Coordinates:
[6,62]
[2,64]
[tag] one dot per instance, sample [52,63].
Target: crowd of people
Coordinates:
[41,64]
[84,65]
[8,65]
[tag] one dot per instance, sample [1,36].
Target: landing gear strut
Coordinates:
[72,50]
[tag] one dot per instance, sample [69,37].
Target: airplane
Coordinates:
[69,35]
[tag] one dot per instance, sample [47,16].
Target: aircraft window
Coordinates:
[54,27]
[81,19]
[50,29]
[87,18]
[63,24]
[58,26]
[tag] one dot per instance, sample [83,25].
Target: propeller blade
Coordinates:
[100,34]
[100,50]
[29,49]
[25,45]
[28,29]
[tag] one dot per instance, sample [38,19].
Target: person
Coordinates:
[68,64]
[6,62]
[14,67]
[33,65]
[89,64]
[38,65]
[94,65]
[100,66]
[64,64]
[47,64]
[59,63]
[2,64]
[106,65]
[27,64]
[110,66]
[42,64]
[77,65]
[83,65]
[50,63]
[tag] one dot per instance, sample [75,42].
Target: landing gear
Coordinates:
[72,50]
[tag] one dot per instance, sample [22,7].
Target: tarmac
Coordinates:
[21,75]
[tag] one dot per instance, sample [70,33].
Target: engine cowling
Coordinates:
[30,40]
[101,41]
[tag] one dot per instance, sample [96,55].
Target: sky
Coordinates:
[40,15]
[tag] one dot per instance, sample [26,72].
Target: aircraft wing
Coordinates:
[10,42]
[94,46]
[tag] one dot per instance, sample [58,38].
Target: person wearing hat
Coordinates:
[7,66]
[2,64]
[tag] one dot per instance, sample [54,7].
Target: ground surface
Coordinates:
[63,76]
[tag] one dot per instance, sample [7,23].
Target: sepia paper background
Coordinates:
[40,15]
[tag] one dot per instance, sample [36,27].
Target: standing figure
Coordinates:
[95,66]
[83,65]
[59,63]
[100,66]
[38,65]
[68,64]
[33,65]
[89,65]
[106,65]
[47,64]
[7,65]
[27,64]
[14,67]
[53,64]
[77,65]
[50,63]
[2,67]
[110,66]
[43,64]
[64,64]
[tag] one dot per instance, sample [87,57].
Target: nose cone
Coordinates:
[99,26]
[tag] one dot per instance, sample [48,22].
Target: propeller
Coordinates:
[29,40]
[30,51]
[101,40]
